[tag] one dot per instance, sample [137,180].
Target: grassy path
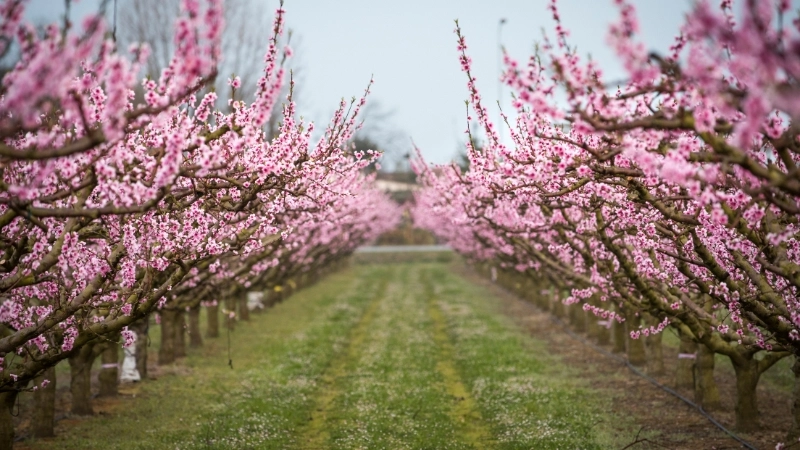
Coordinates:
[406,356]
[315,434]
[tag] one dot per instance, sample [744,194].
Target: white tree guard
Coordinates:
[129,372]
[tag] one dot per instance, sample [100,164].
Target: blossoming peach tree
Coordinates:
[121,196]
[673,197]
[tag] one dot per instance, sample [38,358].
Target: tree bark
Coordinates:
[44,399]
[166,353]
[195,338]
[577,318]
[635,347]
[620,338]
[141,328]
[747,376]
[109,371]
[706,393]
[289,289]
[592,327]
[655,352]
[244,313]
[599,331]
[603,335]
[618,332]
[180,334]
[794,431]
[213,321]
[558,307]
[80,386]
[230,306]
[543,297]
[7,400]
[267,299]
[275,297]
[684,374]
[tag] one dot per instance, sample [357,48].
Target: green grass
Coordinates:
[390,392]
[529,398]
[277,358]
[380,356]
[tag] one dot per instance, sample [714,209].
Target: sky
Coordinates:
[410,49]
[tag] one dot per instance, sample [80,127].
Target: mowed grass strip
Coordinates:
[315,433]
[278,358]
[463,411]
[525,394]
[394,395]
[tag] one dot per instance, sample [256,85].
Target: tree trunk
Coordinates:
[109,371]
[195,338]
[180,334]
[618,332]
[244,312]
[634,347]
[213,321]
[746,399]
[598,328]
[230,316]
[80,369]
[603,325]
[592,327]
[603,335]
[166,354]
[706,393]
[266,299]
[655,353]
[44,399]
[141,328]
[635,351]
[684,375]
[558,307]
[542,296]
[274,296]
[7,400]
[794,431]
[577,318]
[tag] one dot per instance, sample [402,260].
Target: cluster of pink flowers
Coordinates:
[120,196]
[675,196]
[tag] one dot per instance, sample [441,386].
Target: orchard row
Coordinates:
[671,200]
[121,197]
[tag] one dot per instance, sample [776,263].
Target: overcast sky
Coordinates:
[409,47]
